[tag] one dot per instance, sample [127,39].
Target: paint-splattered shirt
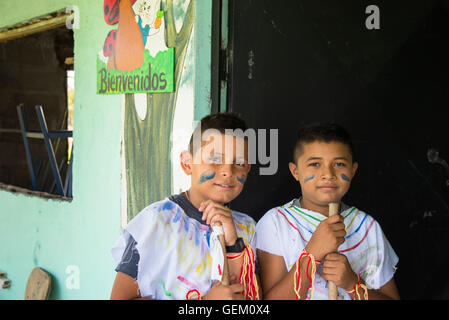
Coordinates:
[286,230]
[173,249]
[130,259]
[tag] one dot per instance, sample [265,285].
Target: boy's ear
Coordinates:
[355,166]
[294,170]
[186,162]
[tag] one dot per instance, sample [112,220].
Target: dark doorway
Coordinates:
[295,62]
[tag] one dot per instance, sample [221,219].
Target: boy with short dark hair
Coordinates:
[300,248]
[165,251]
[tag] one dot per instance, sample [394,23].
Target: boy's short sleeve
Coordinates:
[386,264]
[119,246]
[267,234]
[389,263]
[130,259]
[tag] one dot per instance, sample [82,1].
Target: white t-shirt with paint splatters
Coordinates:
[286,230]
[174,250]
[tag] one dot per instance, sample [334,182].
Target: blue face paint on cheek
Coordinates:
[207,175]
[345,177]
[241,179]
[309,178]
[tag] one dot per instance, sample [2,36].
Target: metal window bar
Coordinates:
[24,130]
[46,136]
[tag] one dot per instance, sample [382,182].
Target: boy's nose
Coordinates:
[226,170]
[328,172]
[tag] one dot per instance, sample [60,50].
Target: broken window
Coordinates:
[37,95]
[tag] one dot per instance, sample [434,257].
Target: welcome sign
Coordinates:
[155,75]
[134,57]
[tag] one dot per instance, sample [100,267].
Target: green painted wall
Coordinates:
[203,28]
[55,234]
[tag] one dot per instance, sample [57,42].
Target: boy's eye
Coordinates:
[215,160]
[240,163]
[313,164]
[340,164]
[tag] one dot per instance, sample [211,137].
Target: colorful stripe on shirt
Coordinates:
[286,213]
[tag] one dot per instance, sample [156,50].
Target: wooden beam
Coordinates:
[34,27]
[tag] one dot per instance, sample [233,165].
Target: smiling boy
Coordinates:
[300,248]
[164,252]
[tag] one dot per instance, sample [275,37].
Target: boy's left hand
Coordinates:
[213,212]
[336,268]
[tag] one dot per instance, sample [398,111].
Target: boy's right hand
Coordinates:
[328,236]
[222,292]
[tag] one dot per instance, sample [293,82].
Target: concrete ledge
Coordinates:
[15,189]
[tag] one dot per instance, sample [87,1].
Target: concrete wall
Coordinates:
[67,237]
[55,234]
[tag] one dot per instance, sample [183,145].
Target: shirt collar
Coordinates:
[297,203]
[192,212]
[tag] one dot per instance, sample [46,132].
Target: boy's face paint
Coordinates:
[219,171]
[242,179]
[330,165]
[206,175]
[309,178]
